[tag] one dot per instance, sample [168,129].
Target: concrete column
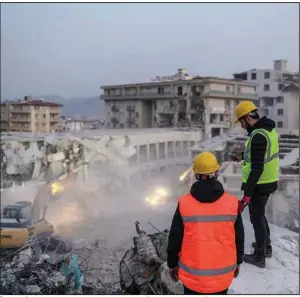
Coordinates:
[148,152]
[138,154]
[166,149]
[157,150]
[181,148]
[174,149]
[175,118]
[188,109]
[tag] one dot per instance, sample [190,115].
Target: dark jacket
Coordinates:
[258,150]
[205,191]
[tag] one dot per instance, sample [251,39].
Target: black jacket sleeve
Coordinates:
[258,150]
[175,239]
[239,238]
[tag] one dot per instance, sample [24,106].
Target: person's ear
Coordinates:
[247,119]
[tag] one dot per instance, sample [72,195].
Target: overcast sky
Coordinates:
[72,49]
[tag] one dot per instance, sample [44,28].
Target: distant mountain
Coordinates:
[78,106]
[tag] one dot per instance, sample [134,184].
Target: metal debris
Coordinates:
[37,268]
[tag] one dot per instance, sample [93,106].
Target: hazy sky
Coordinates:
[72,49]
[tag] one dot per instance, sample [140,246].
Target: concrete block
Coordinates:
[56,157]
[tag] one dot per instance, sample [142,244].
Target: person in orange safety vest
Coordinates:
[206,240]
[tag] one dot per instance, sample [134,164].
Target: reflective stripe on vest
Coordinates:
[210,218]
[207,272]
[271,159]
[207,259]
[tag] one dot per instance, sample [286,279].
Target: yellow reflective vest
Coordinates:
[271,161]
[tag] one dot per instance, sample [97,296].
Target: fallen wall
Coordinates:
[47,157]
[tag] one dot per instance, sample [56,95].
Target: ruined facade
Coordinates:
[177,101]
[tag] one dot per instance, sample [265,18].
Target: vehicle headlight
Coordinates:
[56,188]
[152,200]
[162,192]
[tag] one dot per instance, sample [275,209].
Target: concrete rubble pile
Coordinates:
[30,270]
[43,158]
[124,269]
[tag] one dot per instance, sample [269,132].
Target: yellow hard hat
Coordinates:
[205,163]
[243,109]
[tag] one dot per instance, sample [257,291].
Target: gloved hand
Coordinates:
[237,271]
[243,203]
[173,273]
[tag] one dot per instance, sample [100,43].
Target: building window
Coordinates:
[253,76]
[267,75]
[280,112]
[179,91]
[239,90]
[161,91]
[266,88]
[279,99]
[227,88]
[122,126]
[280,87]
[137,115]
[171,104]
[279,124]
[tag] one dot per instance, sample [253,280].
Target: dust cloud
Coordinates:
[91,208]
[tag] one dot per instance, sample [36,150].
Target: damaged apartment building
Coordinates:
[30,115]
[180,100]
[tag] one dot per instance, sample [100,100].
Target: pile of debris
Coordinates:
[37,268]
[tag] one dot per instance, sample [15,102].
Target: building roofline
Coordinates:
[38,103]
[187,81]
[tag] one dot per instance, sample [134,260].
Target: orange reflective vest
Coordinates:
[208,259]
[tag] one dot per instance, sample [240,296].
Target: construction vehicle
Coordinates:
[16,225]
[24,219]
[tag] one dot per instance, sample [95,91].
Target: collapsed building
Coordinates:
[105,165]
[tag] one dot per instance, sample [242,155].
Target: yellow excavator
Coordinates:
[24,219]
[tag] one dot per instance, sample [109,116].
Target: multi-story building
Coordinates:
[174,101]
[290,95]
[30,115]
[274,101]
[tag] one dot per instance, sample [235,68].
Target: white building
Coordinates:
[180,100]
[275,102]
[74,125]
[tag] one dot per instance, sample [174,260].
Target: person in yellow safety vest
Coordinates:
[260,171]
[206,239]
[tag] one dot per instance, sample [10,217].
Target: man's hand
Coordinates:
[243,203]
[237,271]
[173,273]
[235,156]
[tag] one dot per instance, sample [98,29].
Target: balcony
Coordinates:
[141,95]
[114,120]
[130,121]
[224,94]
[216,110]
[130,108]
[20,120]
[166,110]
[114,108]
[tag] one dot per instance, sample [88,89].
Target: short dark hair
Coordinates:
[206,176]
